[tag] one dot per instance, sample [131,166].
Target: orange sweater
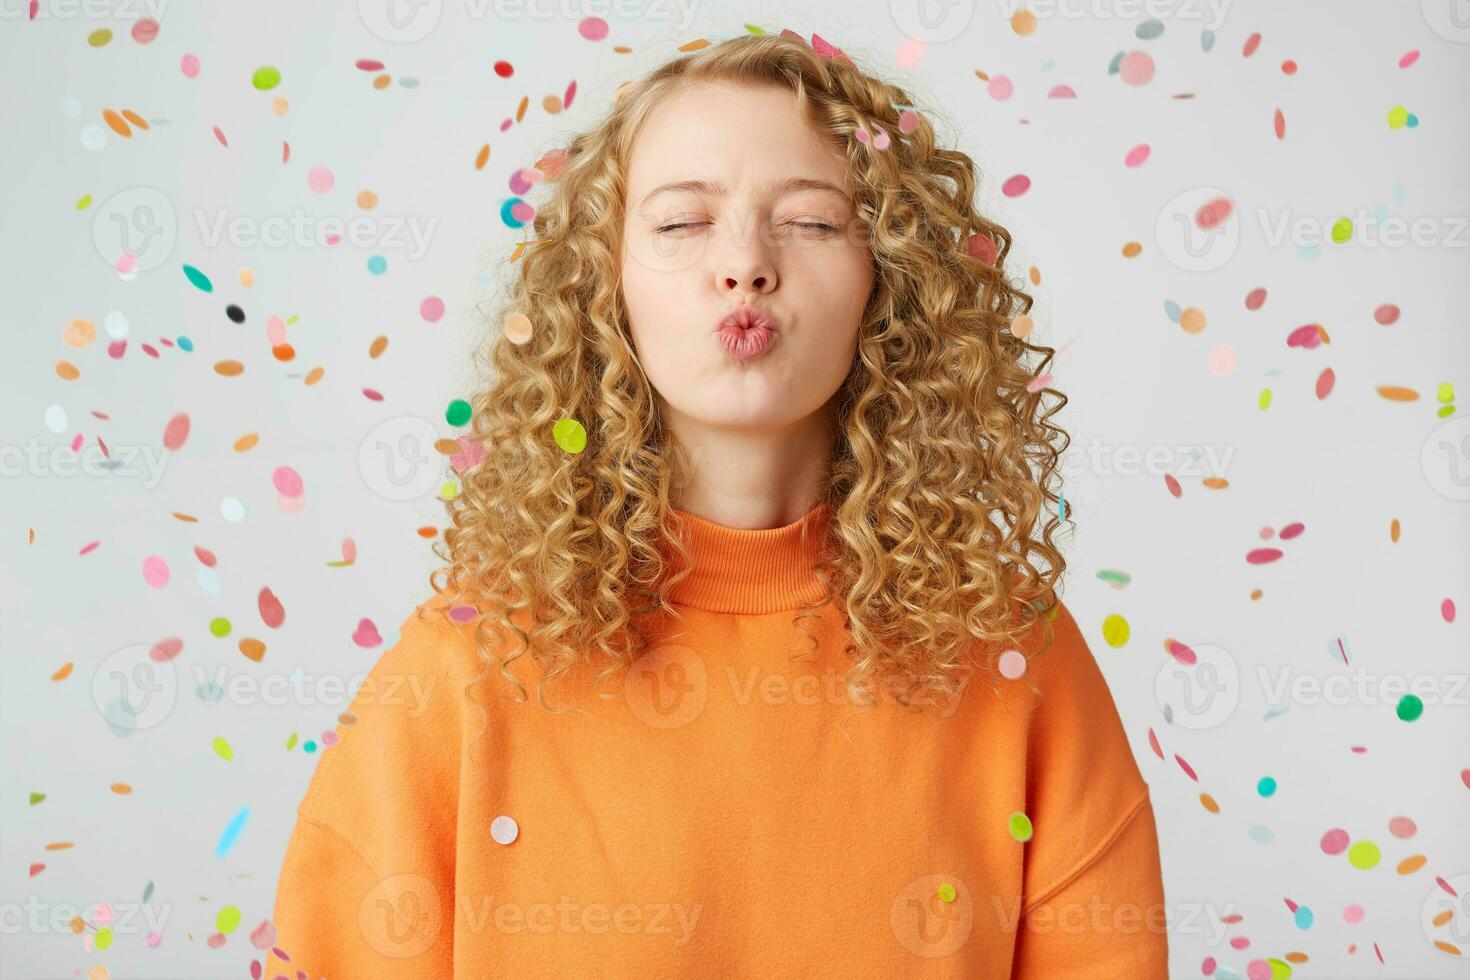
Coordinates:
[732,815]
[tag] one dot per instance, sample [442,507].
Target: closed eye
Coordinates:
[820,226]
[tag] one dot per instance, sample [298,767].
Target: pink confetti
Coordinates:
[1402,827]
[1353,914]
[1037,383]
[1136,68]
[219,134]
[372,394]
[1263,556]
[1173,485]
[1335,841]
[1325,381]
[463,613]
[165,650]
[1181,653]
[1306,336]
[1255,299]
[1292,530]
[1213,213]
[1188,769]
[320,179]
[1062,92]
[89,547]
[431,309]
[176,431]
[1447,610]
[155,571]
[287,481]
[910,52]
[1016,185]
[366,635]
[1000,88]
[189,65]
[1251,43]
[1386,314]
[1137,155]
[369,64]
[1409,58]
[592,28]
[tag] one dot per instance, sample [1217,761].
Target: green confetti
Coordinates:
[199,279]
[1410,707]
[222,748]
[946,892]
[219,626]
[458,413]
[228,919]
[37,798]
[569,435]
[1020,826]
[266,78]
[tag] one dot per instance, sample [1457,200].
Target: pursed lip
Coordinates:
[746,317]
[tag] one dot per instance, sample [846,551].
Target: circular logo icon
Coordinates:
[138,221]
[932,21]
[1203,694]
[132,690]
[397,459]
[1446,917]
[1197,231]
[1450,19]
[666,687]
[1445,458]
[400,21]
[932,916]
[400,916]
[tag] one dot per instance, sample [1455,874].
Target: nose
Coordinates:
[745,267]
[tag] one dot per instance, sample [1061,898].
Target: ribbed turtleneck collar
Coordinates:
[751,572]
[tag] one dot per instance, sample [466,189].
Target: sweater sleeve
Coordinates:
[1093,896]
[366,889]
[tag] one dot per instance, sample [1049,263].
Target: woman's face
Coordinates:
[761,231]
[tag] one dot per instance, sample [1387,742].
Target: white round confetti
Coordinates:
[208,580]
[94,137]
[1012,664]
[70,108]
[56,418]
[232,509]
[115,324]
[504,830]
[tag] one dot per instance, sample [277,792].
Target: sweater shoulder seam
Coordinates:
[1093,857]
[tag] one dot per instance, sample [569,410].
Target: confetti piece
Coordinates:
[320,179]
[1447,610]
[592,28]
[145,30]
[1173,485]
[264,935]
[1263,556]
[272,613]
[1015,185]
[1188,769]
[1255,299]
[222,748]
[1394,393]
[1180,652]
[1115,631]
[982,247]
[252,649]
[1136,156]
[155,571]
[1208,802]
[1410,707]
[266,78]
[231,833]
[504,830]
[366,634]
[1325,381]
[199,279]
[1012,665]
[1364,854]
[1019,826]
[569,435]
[1136,68]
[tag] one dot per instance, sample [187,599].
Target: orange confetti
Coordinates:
[190,518]
[135,119]
[229,368]
[379,345]
[382,81]
[1216,482]
[283,352]
[247,442]
[482,157]
[1132,250]
[252,648]
[1393,531]
[64,672]
[695,45]
[1209,803]
[314,375]
[1394,393]
[121,789]
[67,371]
[1411,864]
[116,123]
[521,109]
[79,332]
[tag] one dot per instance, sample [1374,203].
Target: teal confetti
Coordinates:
[232,833]
[199,279]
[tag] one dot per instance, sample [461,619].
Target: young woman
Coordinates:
[764,518]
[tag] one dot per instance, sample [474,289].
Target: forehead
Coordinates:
[742,135]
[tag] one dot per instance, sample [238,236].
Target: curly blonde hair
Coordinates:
[941,481]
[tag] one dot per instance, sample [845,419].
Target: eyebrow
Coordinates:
[787,186]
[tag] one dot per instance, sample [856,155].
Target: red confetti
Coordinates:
[37,868]
[1325,381]
[1251,43]
[1181,653]
[1280,125]
[285,151]
[1255,298]
[204,555]
[176,431]
[981,246]
[1188,769]
[1386,314]
[373,394]
[271,610]
[369,64]
[219,134]
[1263,556]
[165,650]
[1307,336]
[1173,485]
[1213,213]
[504,69]
[1153,743]
[1292,530]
